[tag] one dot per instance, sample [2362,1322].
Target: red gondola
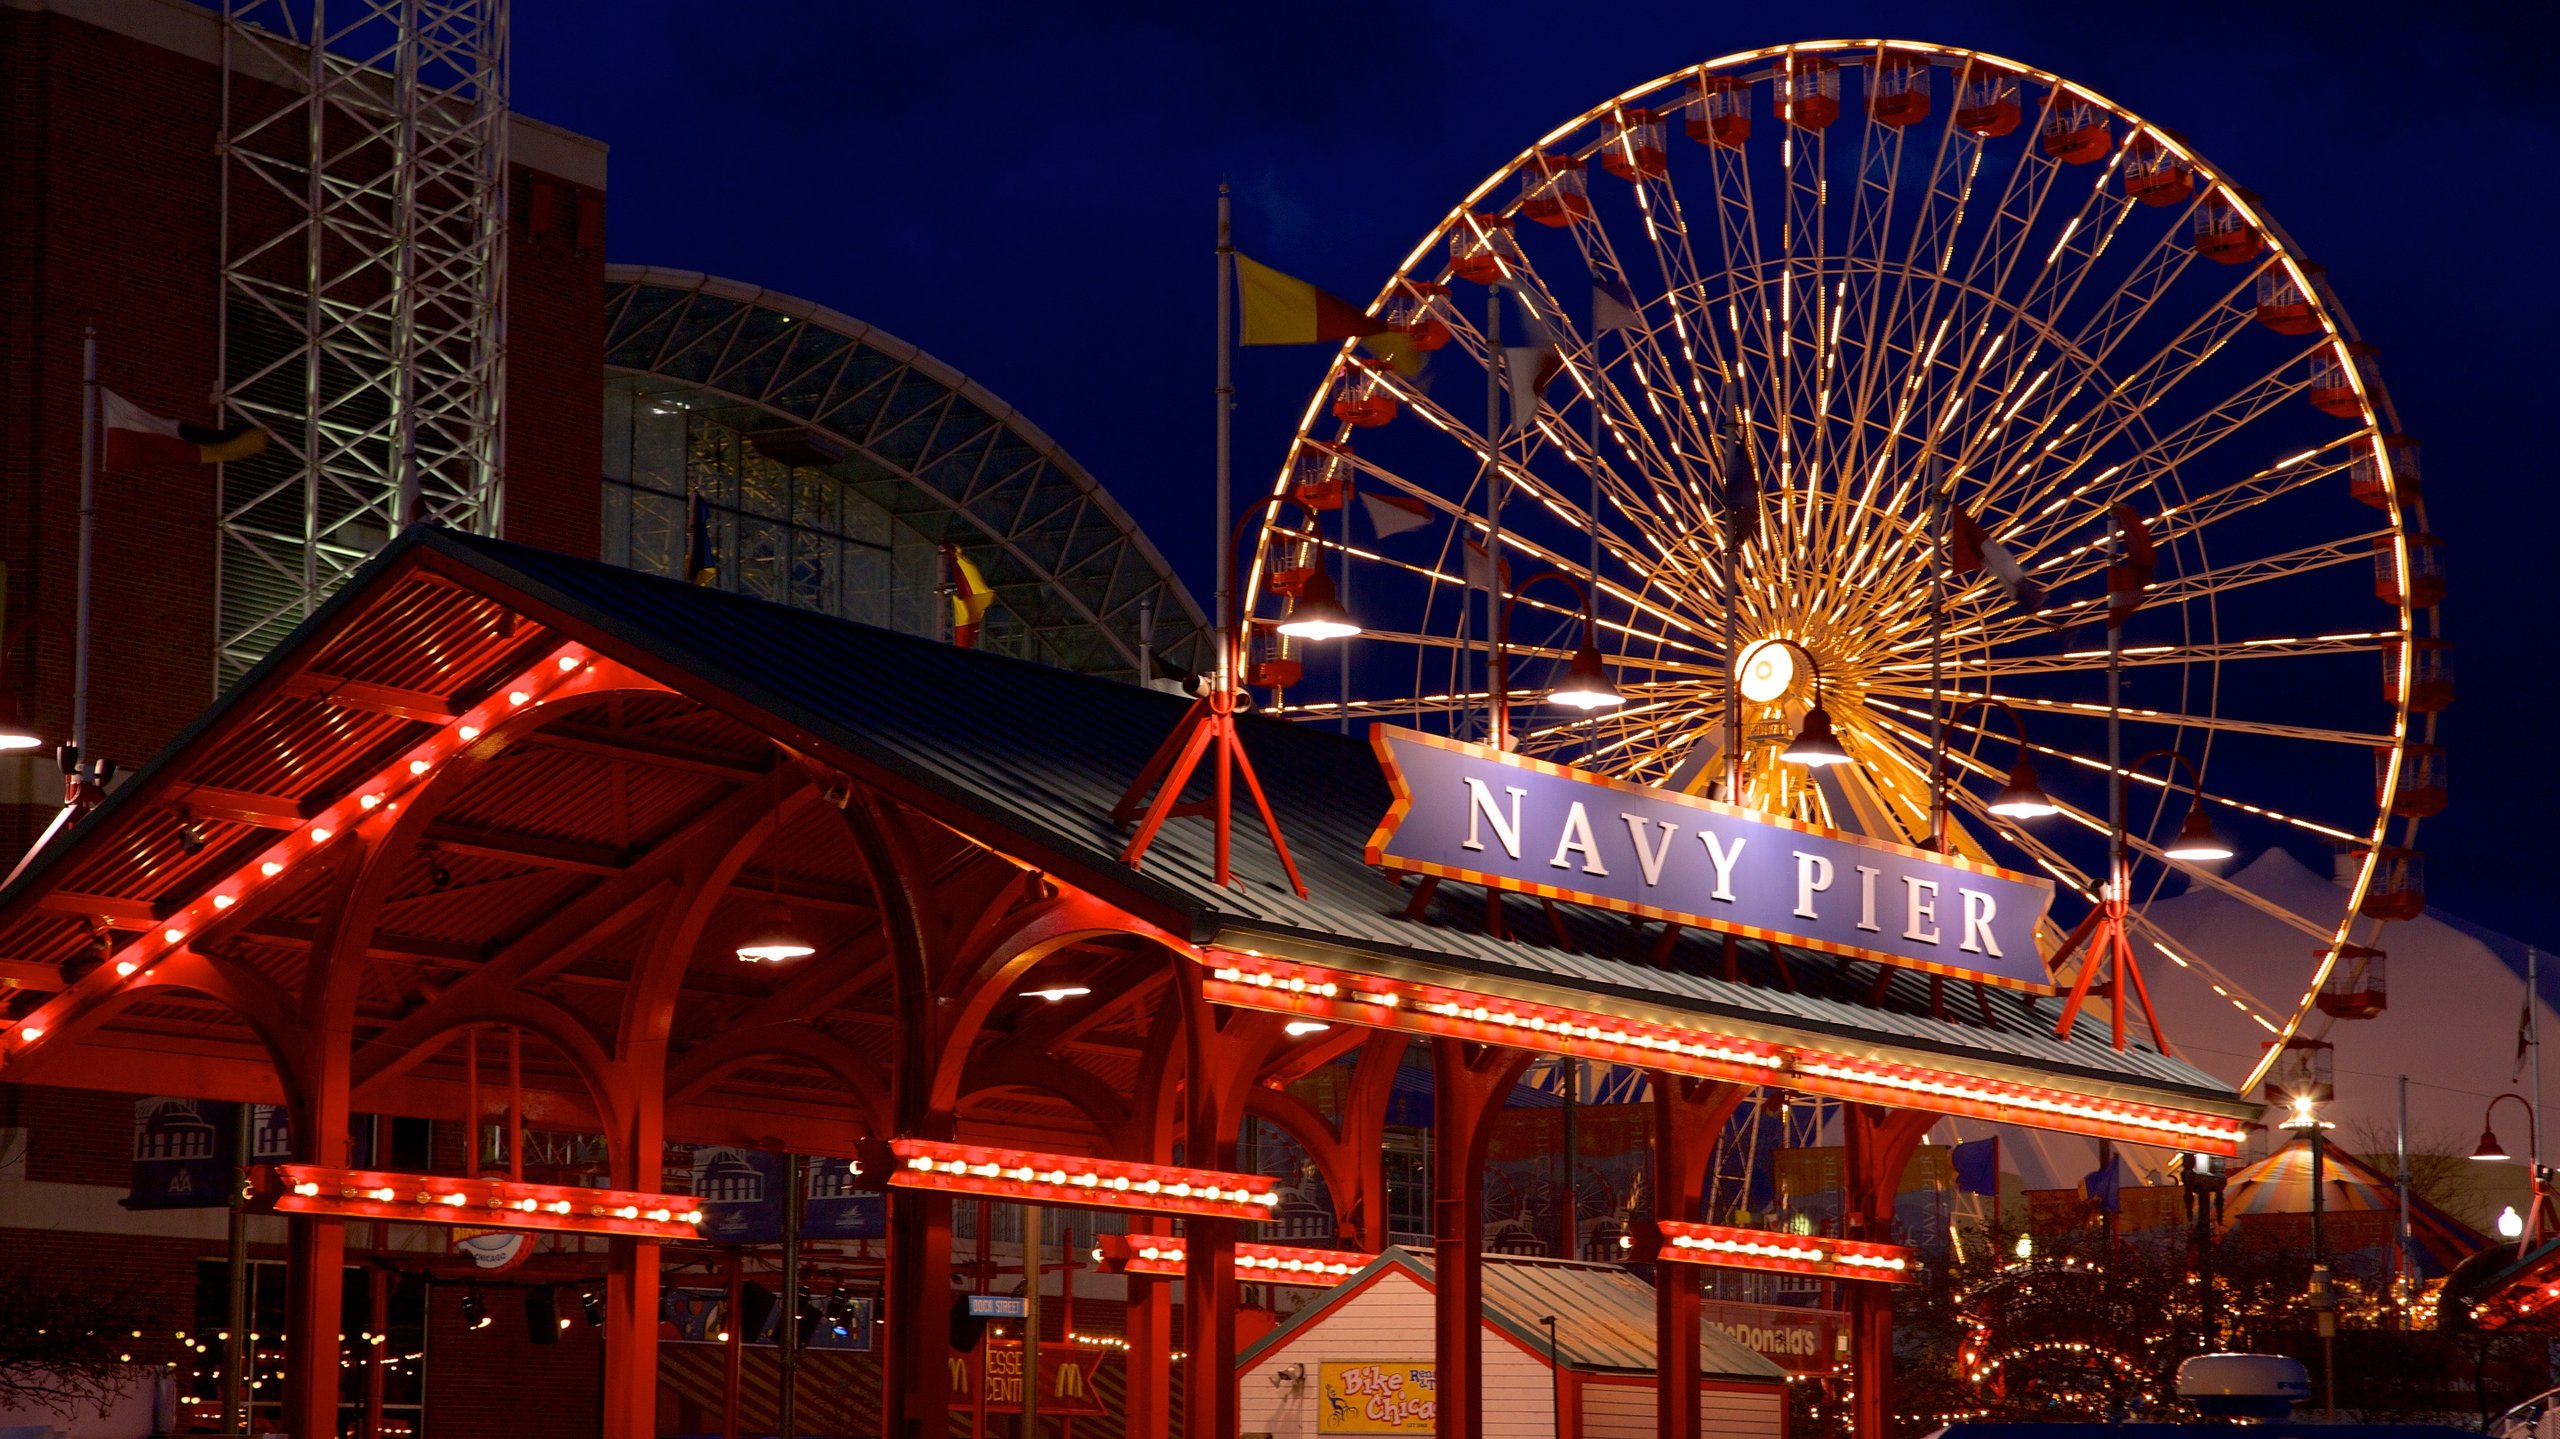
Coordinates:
[1481,249]
[1987,102]
[2354,989]
[2422,779]
[2373,482]
[1808,93]
[2225,235]
[2430,674]
[1416,312]
[1321,479]
[2075,132]
[2155,175]
[2399,888]
[2338,375]
[1632,145]
[2284,306]
[1898,90]
[1365,401]
[1719,110]
[2425,588]
[1554,191]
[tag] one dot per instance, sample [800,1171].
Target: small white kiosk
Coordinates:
[1357,1359]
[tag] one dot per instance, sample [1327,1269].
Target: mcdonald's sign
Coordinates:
[1070,1379]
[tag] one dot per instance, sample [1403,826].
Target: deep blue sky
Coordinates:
[1027,192]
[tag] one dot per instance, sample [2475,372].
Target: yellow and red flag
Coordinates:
[1284,310]
[969,598]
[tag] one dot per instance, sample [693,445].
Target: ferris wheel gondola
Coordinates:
[1740,354]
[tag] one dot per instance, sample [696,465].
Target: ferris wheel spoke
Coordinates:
[2189,588]
[1918,696]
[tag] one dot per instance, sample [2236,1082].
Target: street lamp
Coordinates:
[2529,1231]
[2022,797]
[1585,685]
[1816,745]
[2306,1117]
[1318,614]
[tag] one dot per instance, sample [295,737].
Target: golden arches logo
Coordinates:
[959,1375]
[1070,1383]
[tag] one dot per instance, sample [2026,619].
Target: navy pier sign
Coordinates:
[1466,812]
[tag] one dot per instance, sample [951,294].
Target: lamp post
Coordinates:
[1585,686]
[2491,1150]
[2203,1182]
[1555,1374]
[2306,1118]
[2022,797]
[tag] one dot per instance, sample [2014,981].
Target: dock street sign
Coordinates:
[1466,812]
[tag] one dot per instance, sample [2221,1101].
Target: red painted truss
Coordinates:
[479,1203]
[1252,981]
[1020,1174]
[1164,1256]
[1726,1247]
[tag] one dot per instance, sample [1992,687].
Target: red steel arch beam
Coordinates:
[704,1066]
[701,871]
[1057,1076]
[1148,1323]
[1322,1142]
[565,1031]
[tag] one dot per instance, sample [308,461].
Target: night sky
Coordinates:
[1028,193]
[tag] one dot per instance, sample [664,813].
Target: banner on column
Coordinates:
[741,1191]
[1069,1379]
[182,1150]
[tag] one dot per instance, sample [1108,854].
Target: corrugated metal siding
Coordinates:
[1045,752]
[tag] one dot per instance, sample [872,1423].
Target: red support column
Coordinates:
[915,1389]
[1222,1054]
[316,1270]
[1879,1144]
[1209,1298]
[1688,1114]
[1149,1331]
[631,1339]
[1469,1083]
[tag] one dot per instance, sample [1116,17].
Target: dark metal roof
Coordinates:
[1604,1315]
[1030,758]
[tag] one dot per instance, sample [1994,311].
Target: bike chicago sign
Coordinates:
[1466,812]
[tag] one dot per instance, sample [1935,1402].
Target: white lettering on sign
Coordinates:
[1480,816]
[1649,860]
[1577,839]
[1480,807]
[1978,914]
[1922,910]
[1722,859]
[1813,876]
[1867,898]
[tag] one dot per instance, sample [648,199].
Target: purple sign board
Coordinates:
[1466,812]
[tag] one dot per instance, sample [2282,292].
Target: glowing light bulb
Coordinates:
[517,697]
[173,934]
[222,901]
[271,869]
[468,733]
[125,968]
[568,663]
[419,766]
[319,834]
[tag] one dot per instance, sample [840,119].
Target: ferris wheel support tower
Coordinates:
[364,266]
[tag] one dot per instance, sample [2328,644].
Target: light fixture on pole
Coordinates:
[2491,1150]
[2022,796]
[1317,613]
[1816,745]
[2196,839]
[774,936]
[1586,685]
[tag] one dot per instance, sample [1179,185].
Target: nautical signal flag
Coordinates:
[1613,307]
[1977,1166]
[1392,514]
[701,562]
[969,598]
[1480,568]
[1284,310]
[1974,549]
[135,436]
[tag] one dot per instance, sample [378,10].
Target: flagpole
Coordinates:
[1726,457]
[1933,514]
[2533,1007]
[1226,416]
[82,765]
[1494,679]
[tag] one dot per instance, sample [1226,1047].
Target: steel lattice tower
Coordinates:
[364,212]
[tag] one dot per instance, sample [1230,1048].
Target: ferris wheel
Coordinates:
[1860,370]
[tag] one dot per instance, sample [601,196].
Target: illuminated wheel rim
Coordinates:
[1898,263]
